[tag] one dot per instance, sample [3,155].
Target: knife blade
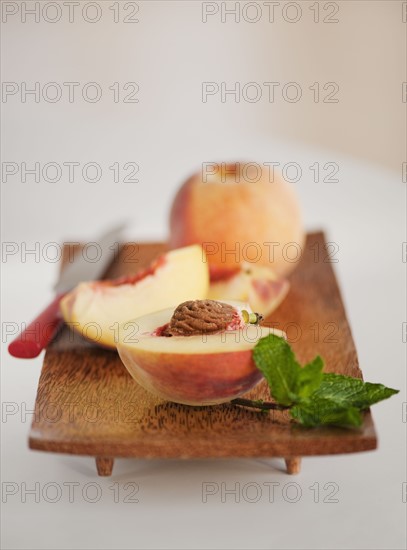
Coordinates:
[40,332]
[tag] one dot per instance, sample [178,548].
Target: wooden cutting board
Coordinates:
[87,403]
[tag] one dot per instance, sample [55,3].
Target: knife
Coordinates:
[40,332]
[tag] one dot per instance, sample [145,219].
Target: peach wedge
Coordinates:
[96,309]
[255,284]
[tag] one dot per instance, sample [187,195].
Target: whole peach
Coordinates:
[240,212]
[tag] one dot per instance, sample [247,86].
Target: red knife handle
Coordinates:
[39,333]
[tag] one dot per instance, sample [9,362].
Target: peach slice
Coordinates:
[251,283]
[204,369]
[96,309]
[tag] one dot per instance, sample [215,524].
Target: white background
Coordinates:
[169,133]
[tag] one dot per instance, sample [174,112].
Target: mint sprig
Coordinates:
[314,398]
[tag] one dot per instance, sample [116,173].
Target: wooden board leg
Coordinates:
[293,465]
[104,465]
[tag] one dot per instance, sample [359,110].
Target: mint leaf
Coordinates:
[320,412]
[276,360]
[338,400]
[288,382]
[314,398]
[351,392]
[309,378]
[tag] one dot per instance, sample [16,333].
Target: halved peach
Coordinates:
[97,308]
[204,369]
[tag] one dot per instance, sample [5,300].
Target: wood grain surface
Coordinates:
[88,404]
